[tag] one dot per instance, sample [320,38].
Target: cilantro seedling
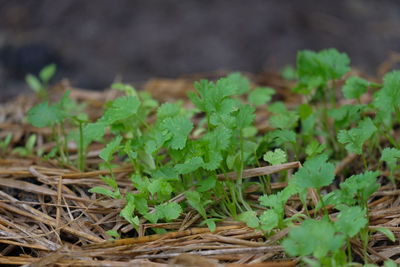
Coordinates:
[40,84]
[391,156]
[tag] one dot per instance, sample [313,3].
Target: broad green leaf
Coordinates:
[314,148]
[179,127]
[194,200]
[387,99]
[234,83]
[207,184]
[212,160]
[245,116]
[312,237]
[128,211]
[93,132]
[355,138]
[168,110]
[190,165]
[166,173]
[260,95]
[351,220]
[250,218]
[169,211]
[34,83]
[121,108]
[211,224]
[391,156]
[107,153]
[47,73]
[219,138]
[315,173]
[278,156]
[43,115]
[161,187]
[126,88]
[361,185]
[354,87]
[269,220]
[282,137]
[315,69]
[287,120]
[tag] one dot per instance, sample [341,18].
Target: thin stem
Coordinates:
[81,152]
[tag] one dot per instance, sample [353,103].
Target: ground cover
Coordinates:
[267,170]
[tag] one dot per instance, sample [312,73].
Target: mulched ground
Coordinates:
[47,216]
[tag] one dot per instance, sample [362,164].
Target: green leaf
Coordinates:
[104,191]
[121,108]
[107,153]
[250,218]
[128,211]
[354,87]
[207,184]
[354,139]
[43,115]
[346,115]
[161,187]
[169,211]
[245,116]
[34,83]
[194,200]
[260,96]
[113,233]
[219,138]
[212,160]
[282,137]
[179,127]
[314,148]
[391,156]
[387,99]
[47,73]
[316,69]
[315,173]
[390,263]
[312,237]
[351,220]
[278,156]
[168,110]
[289,73]
[128,89]
[110,181]
[269,220]
[361,186]
[389,234]
[190,165]
[166,173]
[211,224]
[93,132]
[234,83]
[287,120]
[140,182]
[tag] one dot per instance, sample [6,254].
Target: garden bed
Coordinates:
[244,171]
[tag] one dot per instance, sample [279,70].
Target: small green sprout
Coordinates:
[40,84]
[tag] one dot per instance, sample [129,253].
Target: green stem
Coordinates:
[81,152]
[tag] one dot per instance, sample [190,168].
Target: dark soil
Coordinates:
[96,42]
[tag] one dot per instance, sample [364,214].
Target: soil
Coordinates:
[94,43]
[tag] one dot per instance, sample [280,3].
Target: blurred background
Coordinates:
[95,42]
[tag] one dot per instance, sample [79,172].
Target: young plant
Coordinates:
[40,84]
[391,156]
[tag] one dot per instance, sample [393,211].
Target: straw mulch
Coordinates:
[47,216]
